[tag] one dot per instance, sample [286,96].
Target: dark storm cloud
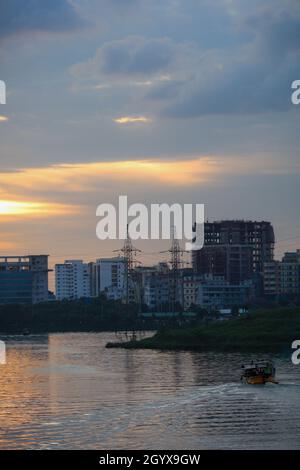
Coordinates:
[17,16]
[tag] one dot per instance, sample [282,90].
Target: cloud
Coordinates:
[133,56]
[3,118]
[241,89]
[276,28]
[36,15]
[14,208]
[87,177]
[253,76]
[248,72]
[132,120]
[80,178]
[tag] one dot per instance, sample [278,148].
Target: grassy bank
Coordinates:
[265,330]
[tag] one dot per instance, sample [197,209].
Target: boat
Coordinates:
[259,373]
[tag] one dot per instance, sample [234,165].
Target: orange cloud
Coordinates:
[34,192]
[11,208]
[84,177]
[132,120]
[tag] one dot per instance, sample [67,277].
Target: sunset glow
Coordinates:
[132,119]
[15,208]
[83,177]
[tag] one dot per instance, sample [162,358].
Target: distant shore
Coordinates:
[265,330]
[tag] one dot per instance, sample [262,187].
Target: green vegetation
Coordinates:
[77,315]
[265,330]
[97,314]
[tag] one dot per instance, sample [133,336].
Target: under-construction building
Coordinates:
[234,249]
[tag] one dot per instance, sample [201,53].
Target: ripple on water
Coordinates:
[68,391]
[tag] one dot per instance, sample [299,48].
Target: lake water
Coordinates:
[66,391]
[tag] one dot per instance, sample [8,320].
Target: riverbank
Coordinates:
[265,330]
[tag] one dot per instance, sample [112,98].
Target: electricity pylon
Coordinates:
[129,253]
[175,262]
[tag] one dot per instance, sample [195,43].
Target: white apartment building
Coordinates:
[110,277]
[72,280]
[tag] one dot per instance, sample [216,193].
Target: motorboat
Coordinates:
[259,373]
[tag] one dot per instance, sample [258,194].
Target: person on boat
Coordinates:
[267,371]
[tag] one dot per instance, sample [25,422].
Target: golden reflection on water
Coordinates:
[67,391]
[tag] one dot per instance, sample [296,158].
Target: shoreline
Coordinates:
[262,331]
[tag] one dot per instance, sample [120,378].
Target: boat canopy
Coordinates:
[258,365]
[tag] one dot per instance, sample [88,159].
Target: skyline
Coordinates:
[183,102]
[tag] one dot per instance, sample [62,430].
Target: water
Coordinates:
[66,391]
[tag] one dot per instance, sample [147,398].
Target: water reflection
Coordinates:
[68,391]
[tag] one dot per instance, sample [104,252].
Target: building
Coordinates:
[72,280]
[154,286]
[110,277]
[234,249]
[214,293]
[190,284]
[157,291]
[282,277]
[232,262]
[271,278]
[23,279]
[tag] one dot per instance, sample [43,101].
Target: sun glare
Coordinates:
[13,208]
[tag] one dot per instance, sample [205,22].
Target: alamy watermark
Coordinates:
[295,97]
[296,354]
[160,221]
[2,353]
[2,92]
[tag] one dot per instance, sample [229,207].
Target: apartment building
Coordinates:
[110,277]
[72,280]
[283,277]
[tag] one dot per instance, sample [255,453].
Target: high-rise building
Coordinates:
[72,280]
[23,279]
[234,249]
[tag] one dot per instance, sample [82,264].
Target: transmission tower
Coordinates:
[129,253]
[176,262]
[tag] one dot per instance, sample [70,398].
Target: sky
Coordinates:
[183,101]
